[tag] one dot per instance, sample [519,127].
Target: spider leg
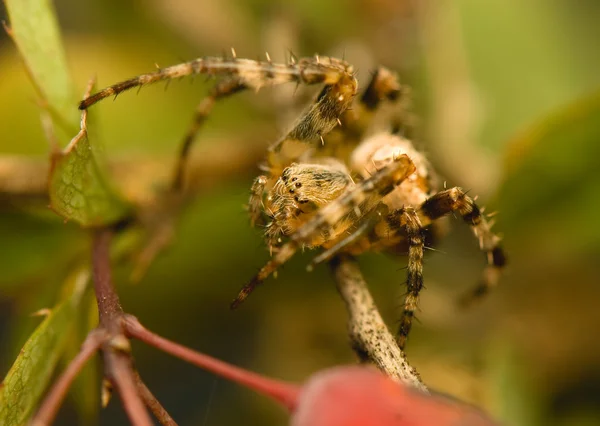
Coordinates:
[384,85]
[255,204]
[222,89]
[365,195]
[355,121]
[364,228]
[455,200]
[280,257]
[408,220]
[253,74]
[383,89]
[317,121]
[336,96]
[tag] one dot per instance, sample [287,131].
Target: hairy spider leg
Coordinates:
[355,121]
[367,194]
[222,89]
[455,200]
[384,86]
[338,93]
[367,225]
[253,74]
[317,121]
[232,85]
[408,220]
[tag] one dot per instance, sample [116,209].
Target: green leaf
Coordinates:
[78,189]
[34,29]
[28,377]
[550,169]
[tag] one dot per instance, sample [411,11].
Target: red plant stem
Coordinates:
[118,367]
[285,393]
[47,412]
[109,307]
[152,403]
[121,374]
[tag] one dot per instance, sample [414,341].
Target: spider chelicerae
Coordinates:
[329,182]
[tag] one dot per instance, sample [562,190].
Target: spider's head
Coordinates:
[300,191]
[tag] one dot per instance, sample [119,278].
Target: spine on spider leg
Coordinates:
[253,74]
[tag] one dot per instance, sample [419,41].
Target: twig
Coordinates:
[47,412]
[369,334]
[152,403]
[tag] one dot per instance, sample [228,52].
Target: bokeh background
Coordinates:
[508,99]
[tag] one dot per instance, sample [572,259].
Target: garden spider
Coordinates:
[326,183]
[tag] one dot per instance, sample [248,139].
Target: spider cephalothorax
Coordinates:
[301,190]
[331,182]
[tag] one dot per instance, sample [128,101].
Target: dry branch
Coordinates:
[369,335]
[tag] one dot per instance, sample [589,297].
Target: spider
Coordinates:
[330,184]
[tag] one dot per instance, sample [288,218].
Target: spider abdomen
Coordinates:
[380,150]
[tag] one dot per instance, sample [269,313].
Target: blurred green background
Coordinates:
[508,98]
